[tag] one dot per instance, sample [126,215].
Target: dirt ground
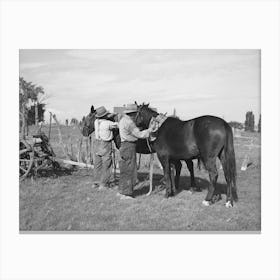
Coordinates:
[65,201]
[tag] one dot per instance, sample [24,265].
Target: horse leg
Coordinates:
[189,163]
[213,176]
[172,177]
[164,160]
[231,192]
[178,167]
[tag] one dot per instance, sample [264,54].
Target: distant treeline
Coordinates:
[249,124]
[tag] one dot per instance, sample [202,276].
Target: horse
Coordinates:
[206,138]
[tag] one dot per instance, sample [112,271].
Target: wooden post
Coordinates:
[50,126]
[90,147]
[87,151]
[71,148]
[60,137]
[247,157]
[79,146]
[23,122]
[71,162]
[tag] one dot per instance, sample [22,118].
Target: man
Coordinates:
[129,134]
[103,148]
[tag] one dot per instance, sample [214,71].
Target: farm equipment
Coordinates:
[35,153]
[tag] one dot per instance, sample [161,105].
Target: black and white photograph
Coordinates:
[140,140]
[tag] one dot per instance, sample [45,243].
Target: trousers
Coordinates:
[103,162]
[128,168]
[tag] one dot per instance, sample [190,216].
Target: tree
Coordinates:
[74,121]
[34,117]
[250,122]
[259,124]
[235,124]
[30,106]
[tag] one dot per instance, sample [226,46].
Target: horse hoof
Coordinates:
[206,203]
[229,204]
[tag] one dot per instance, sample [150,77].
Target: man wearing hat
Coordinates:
[103,148]
[129,134]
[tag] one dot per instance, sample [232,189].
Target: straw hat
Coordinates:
[130,108]
[101,112]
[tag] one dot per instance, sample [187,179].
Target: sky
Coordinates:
[224,83]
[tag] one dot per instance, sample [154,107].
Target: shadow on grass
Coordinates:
[54,172]
[158,184]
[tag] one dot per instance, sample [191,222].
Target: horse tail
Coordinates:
[229,162]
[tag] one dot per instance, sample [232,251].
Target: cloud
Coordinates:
[168,78]
[31,65]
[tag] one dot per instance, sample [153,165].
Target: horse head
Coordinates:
[88,122]
[144,115]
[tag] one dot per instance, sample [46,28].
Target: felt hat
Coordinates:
[101,112]
[130,108]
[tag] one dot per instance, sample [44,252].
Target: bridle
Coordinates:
[138,113]
[88,123]
[147,139]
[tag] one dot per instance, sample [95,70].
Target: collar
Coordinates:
[157,122]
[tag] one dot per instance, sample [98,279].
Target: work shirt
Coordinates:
[129,131]
[103,129]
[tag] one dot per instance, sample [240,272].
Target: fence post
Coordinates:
[60,137]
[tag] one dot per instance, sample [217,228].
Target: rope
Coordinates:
[148,143]
[139,161]
[114,161]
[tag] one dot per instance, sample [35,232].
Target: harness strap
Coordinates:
[148,144]
[139,161]
[158,121]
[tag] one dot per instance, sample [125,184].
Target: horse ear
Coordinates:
[136,103]
[148,104]
[92,109]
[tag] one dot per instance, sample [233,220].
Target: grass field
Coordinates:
[65,201]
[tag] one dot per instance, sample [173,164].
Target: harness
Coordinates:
[156,122]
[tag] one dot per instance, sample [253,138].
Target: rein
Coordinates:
[148,144]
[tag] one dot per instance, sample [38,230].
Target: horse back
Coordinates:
[210,134]
[176,138]
[192,138]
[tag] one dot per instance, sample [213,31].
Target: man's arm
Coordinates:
[136,132]
[113,125]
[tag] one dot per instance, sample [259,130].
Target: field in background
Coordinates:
[65,200]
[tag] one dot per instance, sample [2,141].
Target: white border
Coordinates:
[192,25]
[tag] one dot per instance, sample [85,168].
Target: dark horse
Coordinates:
[205,138]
